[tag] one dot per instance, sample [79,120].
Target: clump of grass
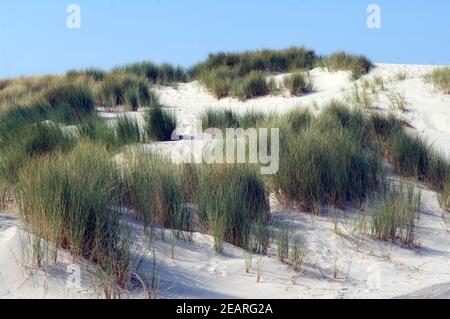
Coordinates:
[252,85]
[381,127]
[397,101]
[240,74]
[128,130]
[273,85]
[123,89]
[35,140]
[395,214]
[25,89]
[298,83]
[254,118]
[220,81]
[96,130]
[152,187]
[360,97]
[337,115]
[220,119]
[259,268]
[410,155]
[413,157]
[298,252]
[296,120]
[160,124]
[4,84]
[236,73]
[327,162]
[190,179]
[78,99]
[67,201]
[15,118]
[378,83]
[45,138]
[112,136]
[283,242]
[223,118]
[440,78]
[157,74]
[93,74]
[3,195]
[444,196]
[401,76]
[229,209]
[268,61]
[358,64]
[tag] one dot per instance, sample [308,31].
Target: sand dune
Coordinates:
[337,266]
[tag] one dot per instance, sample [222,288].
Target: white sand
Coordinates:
[337,266]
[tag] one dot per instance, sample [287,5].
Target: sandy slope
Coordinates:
[337,266]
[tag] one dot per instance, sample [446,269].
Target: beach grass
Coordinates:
[128,130]
[298,83]
[230,210]
[226,118]
[124,89]
[34,140]
[236,74]
[410,154]
[395,214]
[162,74]
[413,157]
[397,101]
[77,98]
[360,96]
[96,130]
[160,124]
[440,78]
[328,161]
[267,61]
[359,65]
[152,187]
[69,201]
[251,86]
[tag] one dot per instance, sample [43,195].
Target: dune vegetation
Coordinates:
[74,180]
[240,74]
[357,64]
[397,210]
[440,78]
[160,124]
[298,83]
[327,161]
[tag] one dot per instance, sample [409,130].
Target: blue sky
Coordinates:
[35,38]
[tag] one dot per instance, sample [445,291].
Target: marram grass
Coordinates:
[69,201]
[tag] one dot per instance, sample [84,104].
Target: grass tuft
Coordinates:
[252,85]
[128,130]
[160,124]
[34,140]
[396,212]
[157,74]
[327,162]
[413,157]
[440,78]
[123,89]
[152,187]
[397,101]
[234,208]
[69,201]
[298,83]
[360,97]
[358,64]
[78,99]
